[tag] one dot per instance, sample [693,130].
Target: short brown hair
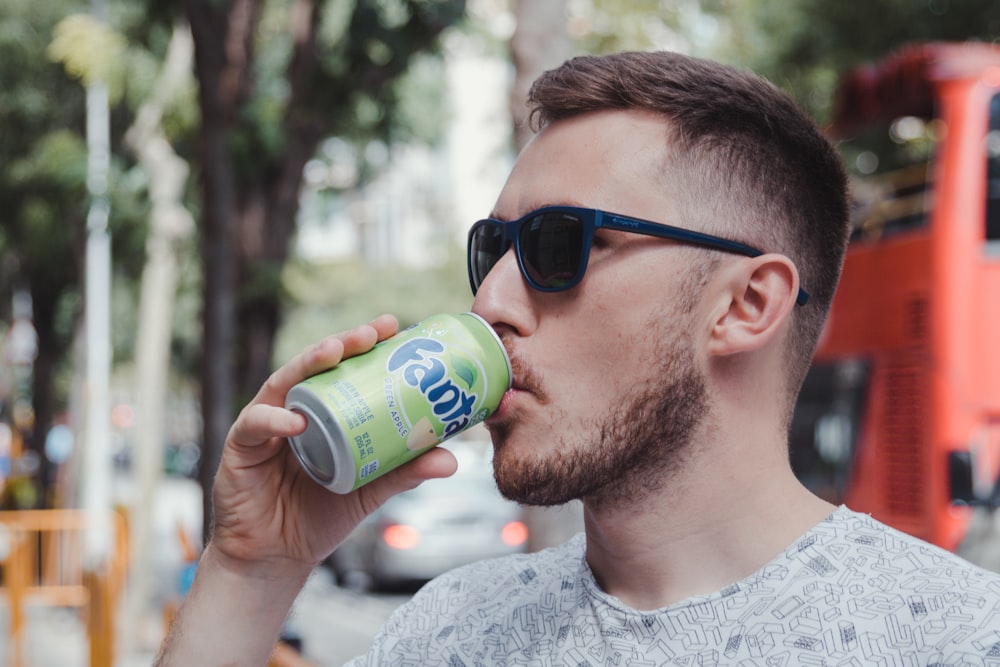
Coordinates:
[771,178]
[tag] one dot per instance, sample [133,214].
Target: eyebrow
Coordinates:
[494,215]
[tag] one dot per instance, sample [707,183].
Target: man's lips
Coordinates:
[504,407]
[517,389]
[522,377]
[523,382]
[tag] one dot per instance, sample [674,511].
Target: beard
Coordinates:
[625,453]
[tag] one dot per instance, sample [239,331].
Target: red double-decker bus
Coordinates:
[900,414]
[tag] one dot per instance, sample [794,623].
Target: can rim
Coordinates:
[499,342]
[335,481]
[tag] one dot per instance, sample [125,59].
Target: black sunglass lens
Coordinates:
[552,249]
[486,247]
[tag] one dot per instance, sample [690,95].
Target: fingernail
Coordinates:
[296,421]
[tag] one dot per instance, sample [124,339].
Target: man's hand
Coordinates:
[267,509]
[272,523]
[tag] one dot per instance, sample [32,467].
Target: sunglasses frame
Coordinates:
[592,220]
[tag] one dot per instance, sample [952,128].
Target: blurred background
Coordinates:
[192,192]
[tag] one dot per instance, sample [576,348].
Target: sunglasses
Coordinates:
[552,244]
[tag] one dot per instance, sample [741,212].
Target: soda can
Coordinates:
[379,410]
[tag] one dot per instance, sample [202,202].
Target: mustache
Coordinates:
[523,376]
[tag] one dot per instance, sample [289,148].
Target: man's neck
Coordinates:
[689,540]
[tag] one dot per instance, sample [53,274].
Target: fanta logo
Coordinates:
[419,361]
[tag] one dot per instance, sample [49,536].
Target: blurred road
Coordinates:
[337,625]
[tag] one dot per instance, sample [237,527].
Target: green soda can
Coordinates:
[374,412]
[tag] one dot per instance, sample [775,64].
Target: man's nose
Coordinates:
[501,277]
[504,295]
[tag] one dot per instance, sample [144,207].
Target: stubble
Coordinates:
[628,451]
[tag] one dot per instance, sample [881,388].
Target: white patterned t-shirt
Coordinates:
[851,591]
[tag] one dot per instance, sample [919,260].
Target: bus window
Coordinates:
[993,173]
[890,186]
[826,424]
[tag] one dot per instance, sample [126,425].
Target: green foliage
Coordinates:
[339,296]
[90,50]
[365,48]
[422,92]
[48,184]
[608,26]
[60,157]
[376,77]
[43,183]
[43,190]
[804,45]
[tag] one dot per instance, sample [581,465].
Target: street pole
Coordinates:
[96,469]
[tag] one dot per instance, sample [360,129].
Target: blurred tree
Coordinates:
[539,42]
[171,226]
[43,197]
[804,45]
[607,26]
[410,294]
[275,78]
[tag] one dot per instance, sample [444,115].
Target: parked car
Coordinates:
[434,528]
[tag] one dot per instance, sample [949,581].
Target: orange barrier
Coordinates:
[285,656]
[43,565]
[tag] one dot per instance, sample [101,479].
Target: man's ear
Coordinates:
[759,296]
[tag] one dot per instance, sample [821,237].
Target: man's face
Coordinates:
[607,380]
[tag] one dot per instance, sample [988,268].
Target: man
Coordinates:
[655,372]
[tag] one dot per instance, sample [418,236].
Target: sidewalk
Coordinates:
[334,625]
[56,637]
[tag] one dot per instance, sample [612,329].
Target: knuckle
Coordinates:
[272,383]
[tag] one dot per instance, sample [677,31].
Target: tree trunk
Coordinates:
[43,374]
[170,226]
[267,225]
[269,209]
[223,55]
[248,222]
[539,42]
